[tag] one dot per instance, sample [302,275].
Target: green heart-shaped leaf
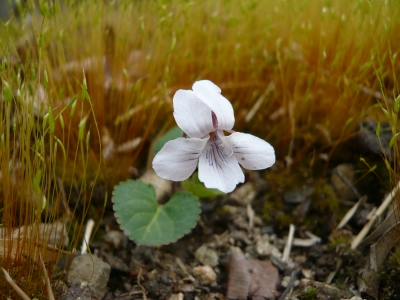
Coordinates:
[145,221]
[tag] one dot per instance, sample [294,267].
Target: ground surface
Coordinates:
[239,247]
[236,233]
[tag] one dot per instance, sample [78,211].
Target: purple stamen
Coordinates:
[214,120]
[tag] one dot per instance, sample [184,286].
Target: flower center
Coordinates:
[217,144]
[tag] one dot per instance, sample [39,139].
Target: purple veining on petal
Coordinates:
[235,148]
[191,159]
[216,148]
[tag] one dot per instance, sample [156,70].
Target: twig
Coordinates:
[139,284]
[356,242]
[181,265]
[304,242]
[254,109]
[290,284]
[250,215]
[312,240]
[351,212]
[371,213]
[143,290]
[15,286]
[333,273]
[184,270]
[88,232]
[313,236]
[129,145]
[46,278]
[289,243]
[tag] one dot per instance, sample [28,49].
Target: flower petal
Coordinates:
[177,160]
[251,152]
[210,94]
[192,115]
[218,168]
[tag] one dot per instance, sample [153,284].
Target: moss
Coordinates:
[268,207]
[284,219]
[225,210]
[310,293]
[340,241]
[31,281]
[394,258]
[325,199]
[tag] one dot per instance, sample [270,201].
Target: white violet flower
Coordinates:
[203,114]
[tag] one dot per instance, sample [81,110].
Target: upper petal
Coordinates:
[177,160]
[251,152]
[210,94]
[192,115]
[218,168]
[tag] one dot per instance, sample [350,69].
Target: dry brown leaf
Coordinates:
[251,278]
[14,248]
[368,281]
[54,234]
[29,241]
[390,221]
[264,279]
[239,278]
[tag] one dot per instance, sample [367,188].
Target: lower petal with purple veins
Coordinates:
[218,167]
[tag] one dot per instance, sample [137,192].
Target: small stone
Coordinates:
[342,179]
[244,195]
[185,288]
[205,274]
[116,263]
[368,142]
[285,281]
[300,259]
[178,296]
[307,273]
[109,296]
[55,234]
[242,236]
[161,185]
[91,270]
[81,292]
[207,256]
[116,238]
[60,287]
[263,246]
[127,286]
[298,195]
